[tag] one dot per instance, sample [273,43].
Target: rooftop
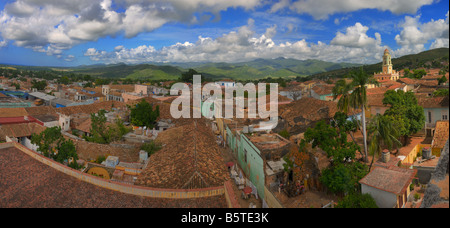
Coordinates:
[393,179]
[189,158]
[433,102]
[25,184]
[441,134]
[13,112]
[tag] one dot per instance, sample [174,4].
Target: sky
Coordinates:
[86,32]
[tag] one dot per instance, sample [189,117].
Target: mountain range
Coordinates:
[251,70]
[256,69]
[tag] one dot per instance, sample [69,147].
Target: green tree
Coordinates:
[442,80]
[418,74]
[358,98]
[384,134]
[39,85]
[118,130]
[343,90]
[151,147]
[143,115]
[53,145]
[441,93]
[285,134]
[405,111]
[66,151]
[189,75]
[64,80]
[100,133]
[47,141]
[357,201]
[344,177]
[332,141]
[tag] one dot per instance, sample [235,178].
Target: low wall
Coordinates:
[230,196]
[271,200]
[124,188]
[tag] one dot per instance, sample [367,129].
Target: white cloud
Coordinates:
[356,37]
[416,35]
[245,44]
[69,58]
[322,9]
[61,24]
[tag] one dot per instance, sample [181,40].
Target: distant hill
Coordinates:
[430,58]
[256,69]
[142,71]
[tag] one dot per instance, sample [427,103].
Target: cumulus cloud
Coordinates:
[3,43]
[61,24]
[244,44]
[415,35]
[356,36]
[322,9]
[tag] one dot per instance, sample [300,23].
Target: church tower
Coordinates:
[387,63]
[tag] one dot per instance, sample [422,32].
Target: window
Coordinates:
[245,155]
[444,117]
[429,117]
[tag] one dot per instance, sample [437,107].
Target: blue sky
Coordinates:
[71,33]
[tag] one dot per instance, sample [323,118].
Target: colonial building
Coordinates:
[388,72]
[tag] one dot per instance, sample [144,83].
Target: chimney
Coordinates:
[385,156]
[426,153]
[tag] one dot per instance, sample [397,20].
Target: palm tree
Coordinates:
[358,98]
[383,133]
[342,90]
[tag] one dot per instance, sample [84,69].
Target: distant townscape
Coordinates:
[349,139]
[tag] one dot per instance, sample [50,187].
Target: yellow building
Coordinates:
[388,72]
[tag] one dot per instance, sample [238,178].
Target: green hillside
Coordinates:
[431,58]
[257,69]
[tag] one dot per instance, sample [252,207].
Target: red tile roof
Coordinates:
[441,134]
[13,112]
[27,183]
[433,102]
[189,158]
[20,130]
[394,179]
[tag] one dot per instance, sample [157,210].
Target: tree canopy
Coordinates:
[343,175]
[143,115]
[404,111]
[357,201]
[53,145]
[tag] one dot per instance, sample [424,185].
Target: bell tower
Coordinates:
[387,62]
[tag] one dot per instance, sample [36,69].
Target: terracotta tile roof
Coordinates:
[375,100]
[125,88]
[190,158]
[301,113]
[378,90]
[91,108]
[20,130]
[441,134]
[323,89]
[41,110]
[428,83]
[394,179]
[13,112]
[432,102]
[408,81]
[25,184]
[89,151]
